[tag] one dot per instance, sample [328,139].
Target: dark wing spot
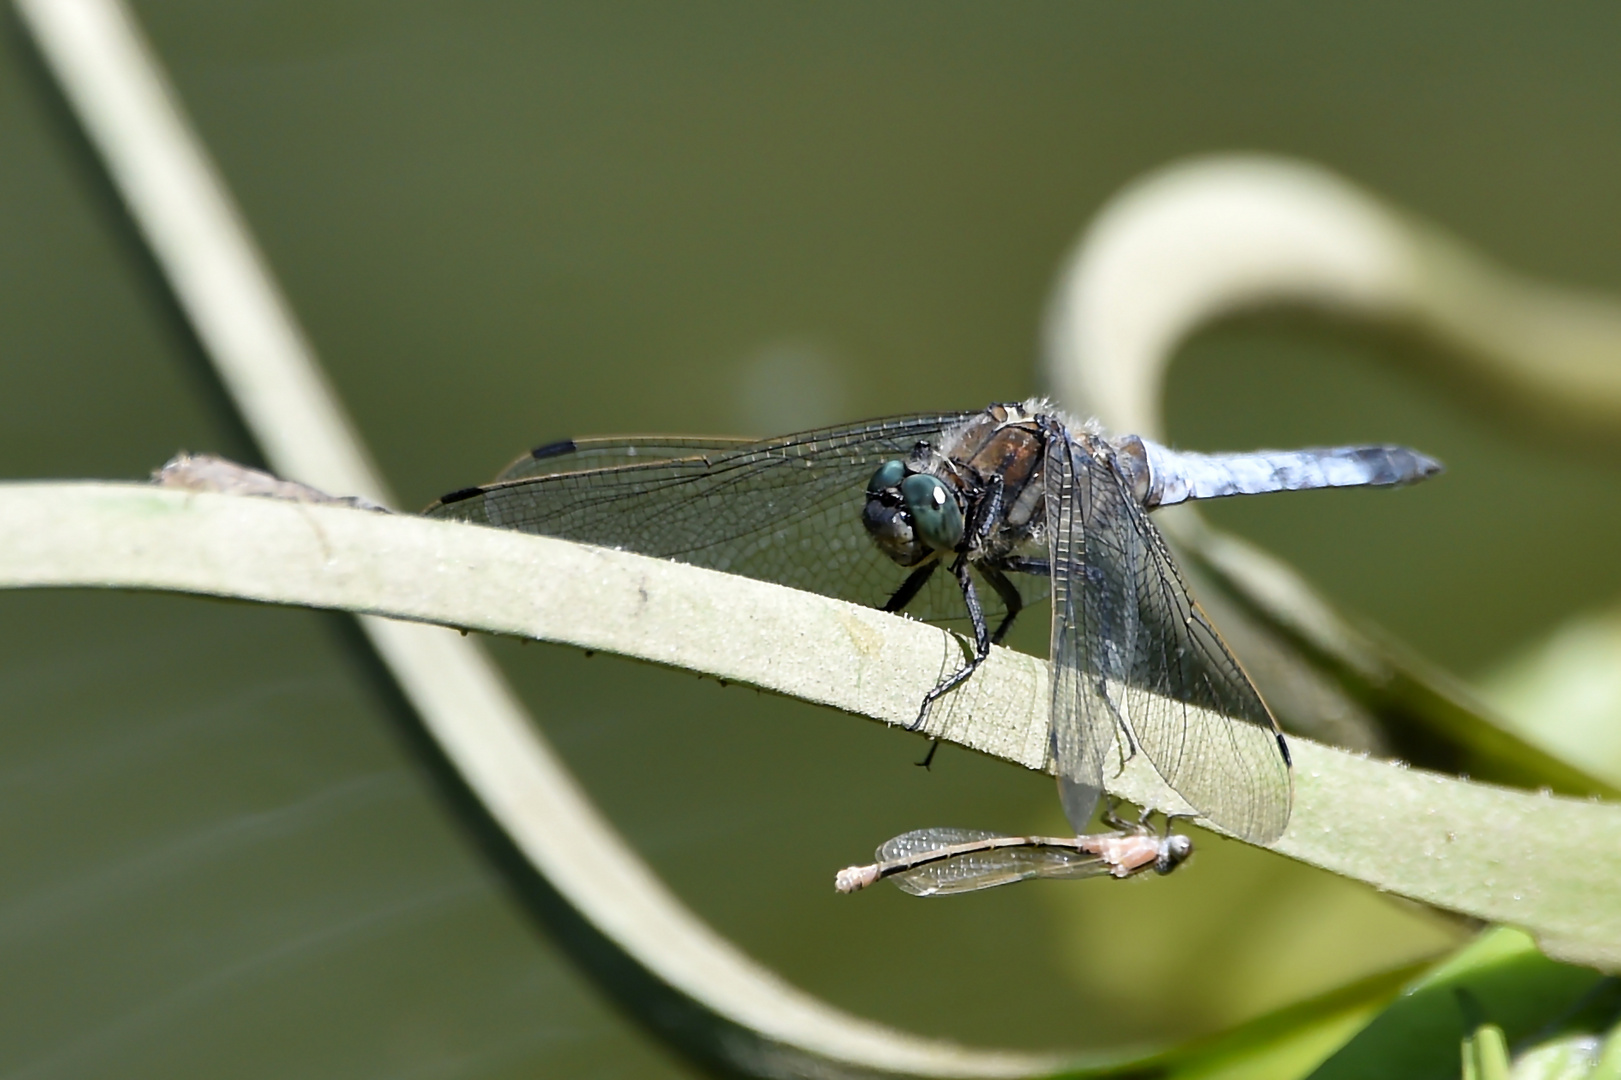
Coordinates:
[458,496]
[556,449]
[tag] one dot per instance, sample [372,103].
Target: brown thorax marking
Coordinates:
[1005,441]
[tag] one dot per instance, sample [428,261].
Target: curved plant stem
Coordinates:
[1543,863]
[746,1018]
[1540,862]
[1215,236]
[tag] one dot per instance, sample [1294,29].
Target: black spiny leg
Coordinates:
[983,514]
[995,573]
[905,595]
[1020,564]
[1010,599]
[982,640]
[911,586]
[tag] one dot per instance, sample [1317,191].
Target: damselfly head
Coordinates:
[1173,852]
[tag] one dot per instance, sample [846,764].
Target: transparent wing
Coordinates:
[980,869]
[579,455]
[922,841]
[786,510]
[1088,634]
[1138,654]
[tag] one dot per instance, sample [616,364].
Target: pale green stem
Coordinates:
[1542,863]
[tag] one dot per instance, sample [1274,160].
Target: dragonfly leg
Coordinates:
[1172,819]
[1010,599]
[1122,728]
[982,641]
[1111,817]
[911,586]
[928,759]
[983,516]
[1132,746]
[1019,564]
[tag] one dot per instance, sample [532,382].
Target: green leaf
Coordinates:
[1492,994]
[1284,1044]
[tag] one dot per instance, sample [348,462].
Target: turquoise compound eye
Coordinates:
[935,514]
[889,475]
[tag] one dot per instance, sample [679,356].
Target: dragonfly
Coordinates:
[975,515]
[941,862]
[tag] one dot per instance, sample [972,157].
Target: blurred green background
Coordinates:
[507,223]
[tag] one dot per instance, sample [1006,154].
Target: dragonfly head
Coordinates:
[1173,852]
[911,515]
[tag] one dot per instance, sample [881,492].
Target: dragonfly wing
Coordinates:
[923,841]
[980,869]
[1086,629]
[579,455]
[1159,667]
[1002,866]
[786,510]
[1195,712]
